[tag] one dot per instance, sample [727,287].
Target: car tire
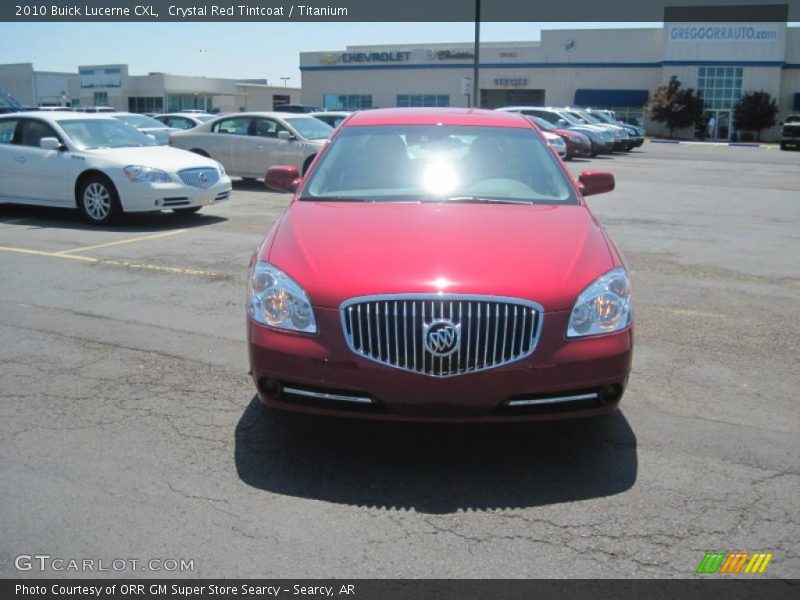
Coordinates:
[307,164]
[98,200]
[783,146]
[186,211]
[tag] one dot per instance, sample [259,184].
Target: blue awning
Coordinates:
[608,98]
[796,102]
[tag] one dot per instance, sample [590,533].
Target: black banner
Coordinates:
[399,11]
[393,589]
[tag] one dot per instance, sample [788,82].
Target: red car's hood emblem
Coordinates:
[340,250]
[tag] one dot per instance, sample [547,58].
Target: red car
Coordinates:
[439,264]
[577,144]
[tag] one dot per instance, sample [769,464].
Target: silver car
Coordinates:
[147,125]
[184,120]
[247,144]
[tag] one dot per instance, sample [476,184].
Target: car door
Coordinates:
[227,143]
[265,149]
[45,176]
[9,176]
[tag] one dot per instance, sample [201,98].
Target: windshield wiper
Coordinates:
[485,200]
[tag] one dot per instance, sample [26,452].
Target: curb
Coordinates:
[716,144]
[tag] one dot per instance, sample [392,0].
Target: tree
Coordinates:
[674,107]
[755,111]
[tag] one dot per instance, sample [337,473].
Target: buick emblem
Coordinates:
[442,337]
[203,177]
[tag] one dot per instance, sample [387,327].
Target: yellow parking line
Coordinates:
[125,241]
[113,263]
[41,253]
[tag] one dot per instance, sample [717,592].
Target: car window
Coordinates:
[180,123]
[310,128]
[263,127]
[103,133]
[32,131]
[7,129]
[439,164]
[139,121]
[233,126]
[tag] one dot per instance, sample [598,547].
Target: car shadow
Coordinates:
[250,185]
[434,468]
[42,217]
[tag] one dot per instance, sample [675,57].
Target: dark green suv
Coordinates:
[790,134]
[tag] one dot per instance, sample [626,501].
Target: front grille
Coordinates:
[441,335]
[175,202]
[202,177]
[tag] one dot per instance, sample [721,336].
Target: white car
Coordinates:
[556,142]
[250,143]
[331,117]
[184,120]
[101,166]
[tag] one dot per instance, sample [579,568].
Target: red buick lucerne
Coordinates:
[441,265]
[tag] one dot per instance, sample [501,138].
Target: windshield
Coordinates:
[571,119]
[103,133]
[436,163]
[604,117]
[590,118]
[311,128]
[139,121]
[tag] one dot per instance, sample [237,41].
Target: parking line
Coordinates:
[42,253]
[125,241]
[113,263]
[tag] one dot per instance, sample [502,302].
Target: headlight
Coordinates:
[603,307]
[221,169]
[141,174]
[275,299]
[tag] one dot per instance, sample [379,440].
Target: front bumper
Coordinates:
[143,197]
[323,373]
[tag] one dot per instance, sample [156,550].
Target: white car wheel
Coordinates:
[98,200]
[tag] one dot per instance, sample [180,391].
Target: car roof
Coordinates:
[435,116]
[274,115]
[330,113]
[55,116]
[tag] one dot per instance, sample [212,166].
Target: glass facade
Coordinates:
[144,104]
[179,102]
[721,87]
[346,101]
[405,100]
[101,98]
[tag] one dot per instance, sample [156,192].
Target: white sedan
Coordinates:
[101,166]
[249,143]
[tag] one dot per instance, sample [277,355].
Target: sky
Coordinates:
[235,50]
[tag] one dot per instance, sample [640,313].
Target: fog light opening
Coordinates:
[610,394]
[269,387]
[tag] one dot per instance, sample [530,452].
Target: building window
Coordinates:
[405,100]
[346,101]
[101,98]
[154,104]
[179,102]
[278,99]
[721,87]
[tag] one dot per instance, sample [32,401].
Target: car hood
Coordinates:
[340,250]
[166,158]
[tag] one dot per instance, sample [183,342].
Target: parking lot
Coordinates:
[130,428]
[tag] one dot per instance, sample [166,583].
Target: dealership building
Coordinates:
[603,68]
[113,85]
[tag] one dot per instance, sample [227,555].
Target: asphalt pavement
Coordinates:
[130,430]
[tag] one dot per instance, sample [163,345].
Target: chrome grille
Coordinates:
[202,177]
[398,331]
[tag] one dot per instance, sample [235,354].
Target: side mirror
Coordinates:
[50,143]
[286,136]
[561,123]
[283,179]
[595,182]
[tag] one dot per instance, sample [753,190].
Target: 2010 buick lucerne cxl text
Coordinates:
[439,264]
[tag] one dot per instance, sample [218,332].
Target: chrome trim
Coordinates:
[551,400]
[327,396]
[472,364]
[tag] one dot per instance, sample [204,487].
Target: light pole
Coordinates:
[285,81]
[476,98]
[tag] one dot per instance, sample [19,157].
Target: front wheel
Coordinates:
[98,200]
